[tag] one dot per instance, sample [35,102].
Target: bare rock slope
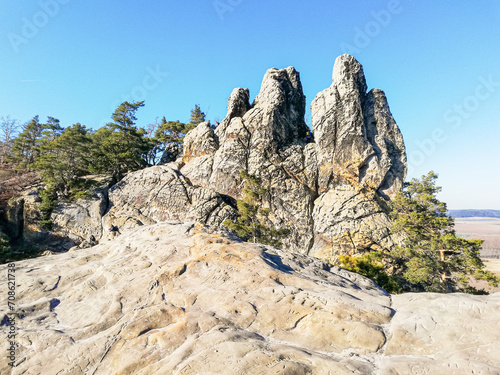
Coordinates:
[172,298]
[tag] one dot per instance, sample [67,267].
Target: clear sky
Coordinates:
[437,61]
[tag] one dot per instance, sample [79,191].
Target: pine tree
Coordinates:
[26,146]
[432,257]
[170,136]
[170,132]
[374,266]
[154,147]
[197,117]
[64,160]
[253,221]
[51,130]
[120,147]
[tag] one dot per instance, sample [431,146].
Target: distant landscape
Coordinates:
[474,213]
[480,226]
[483,224]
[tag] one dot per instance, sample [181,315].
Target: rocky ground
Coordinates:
[172,298]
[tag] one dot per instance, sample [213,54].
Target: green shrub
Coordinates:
[49,202]
[253,223]
[371,265]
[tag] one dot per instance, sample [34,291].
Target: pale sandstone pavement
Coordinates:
[172,299]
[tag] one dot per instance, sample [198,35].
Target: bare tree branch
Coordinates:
[8,129]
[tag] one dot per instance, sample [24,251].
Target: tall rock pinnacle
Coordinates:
[361,155]
[358,140]
[328,192]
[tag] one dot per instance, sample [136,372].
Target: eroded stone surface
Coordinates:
[361,162]
[81,219]
[357,156]
[162,193]
[267,139]
[161,298]
[443,334]
[172,298]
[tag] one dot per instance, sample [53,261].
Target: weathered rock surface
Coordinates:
[361,161]
[173,299]
[71,222]
[330,193]
[23,215]
[268,139]
[346,220]
[443,334]
[237,105]
[162,193]
[81,219]
[198,157]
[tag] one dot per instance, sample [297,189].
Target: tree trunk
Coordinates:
[445,277]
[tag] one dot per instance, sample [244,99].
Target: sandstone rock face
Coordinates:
[361,161]
[230,158]
[14,217]
[81,219]
[162,193]
[237,105]
[72,222]
[358,140]
[388,145]
[337,118]
[198,157]
[330,193]
[23,215]
[267,139]
[347,220]
[199,142]
[172,298]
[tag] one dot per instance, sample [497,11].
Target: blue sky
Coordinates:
[438,62]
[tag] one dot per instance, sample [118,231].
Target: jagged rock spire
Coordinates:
[358,140]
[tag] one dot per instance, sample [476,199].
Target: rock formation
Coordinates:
[72,222]
[361,159]
[172,298]
[162,193]
[82,219]
[331,193]
[330,189]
